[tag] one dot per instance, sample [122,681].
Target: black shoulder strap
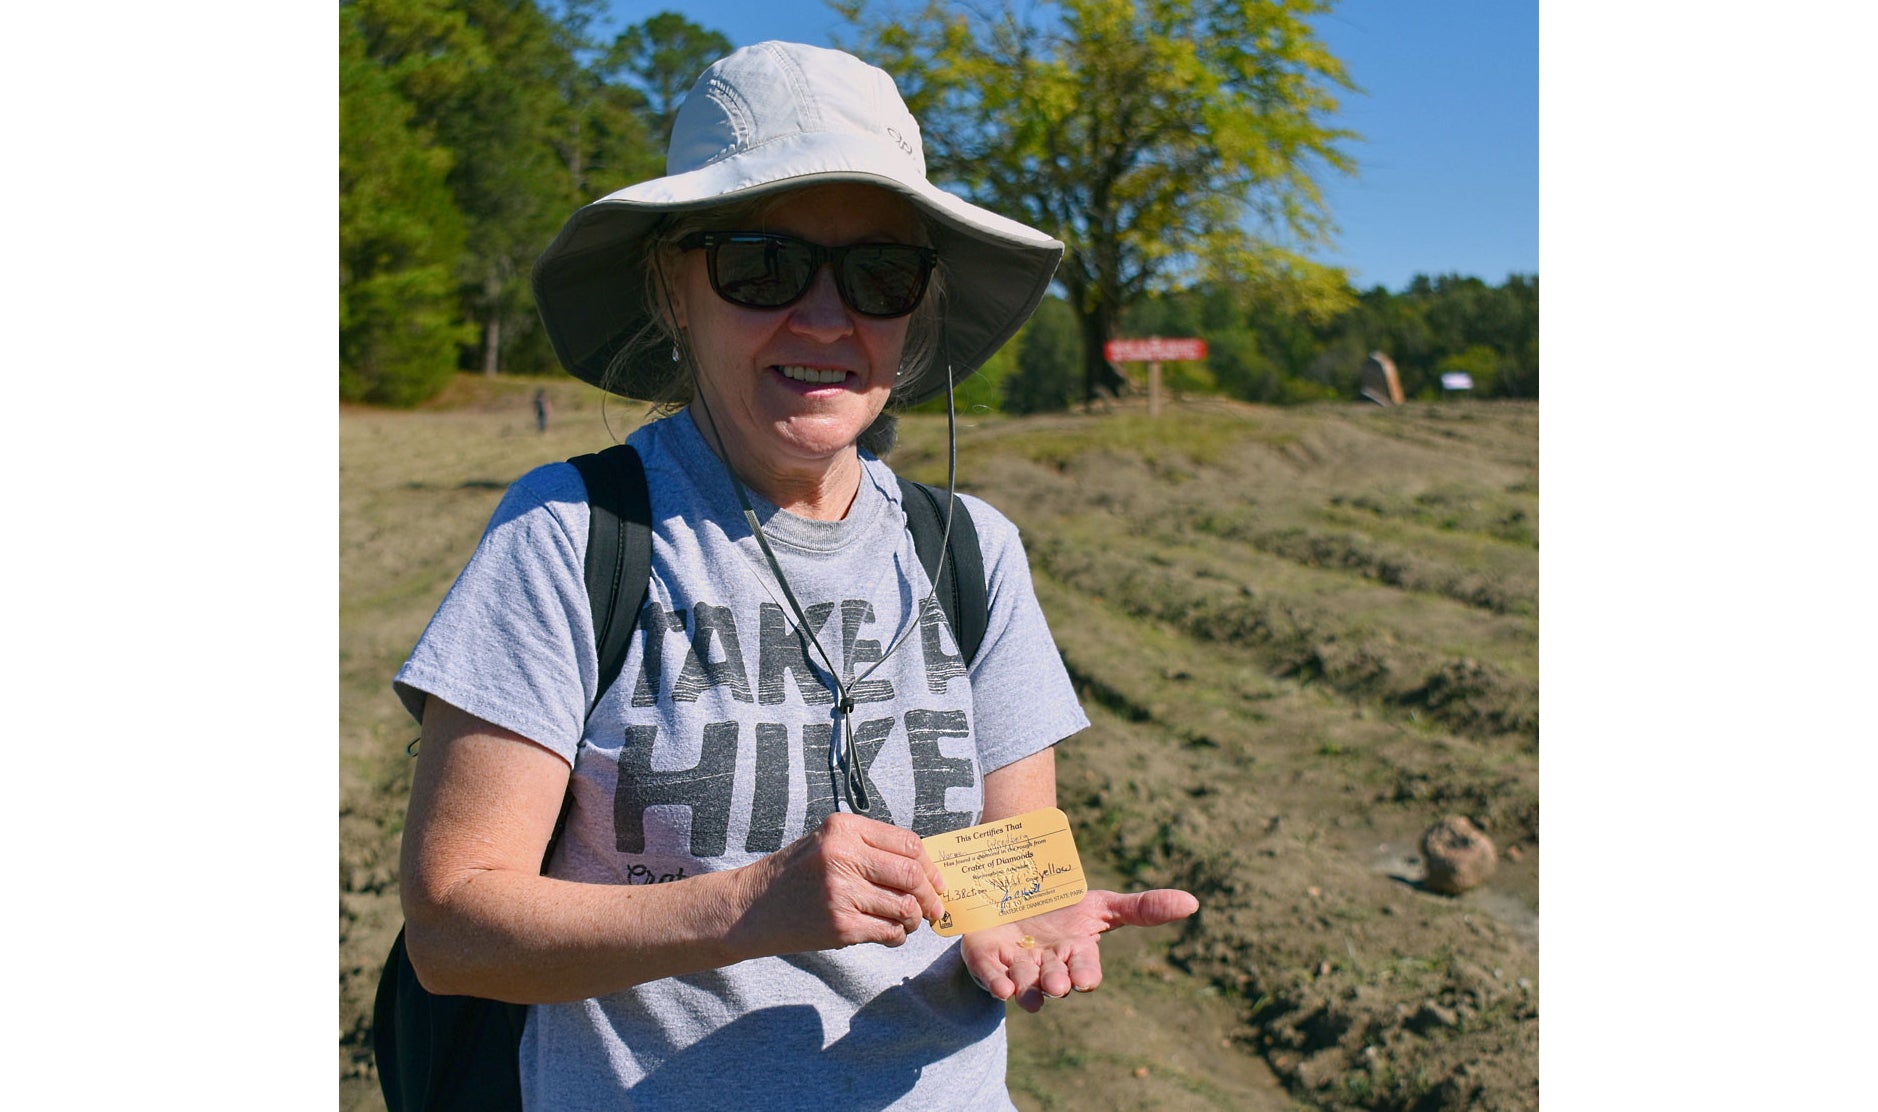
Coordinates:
[619,552]
[961,581]
[459,1051]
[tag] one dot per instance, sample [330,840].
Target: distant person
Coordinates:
[541,410]
[735,912]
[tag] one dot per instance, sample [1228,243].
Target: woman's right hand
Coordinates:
[849,881]
[480,920]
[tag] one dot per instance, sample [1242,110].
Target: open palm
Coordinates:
[1063,953]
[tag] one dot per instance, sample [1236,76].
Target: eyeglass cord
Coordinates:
[843,764]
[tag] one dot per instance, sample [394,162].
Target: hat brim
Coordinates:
[590,283]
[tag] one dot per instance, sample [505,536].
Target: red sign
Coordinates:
[1154,350]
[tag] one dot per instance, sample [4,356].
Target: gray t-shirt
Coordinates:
[712,750]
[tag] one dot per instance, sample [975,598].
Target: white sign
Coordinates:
[1457,380]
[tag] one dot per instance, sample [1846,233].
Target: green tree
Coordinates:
[606,139]
[399,236]
[1520,374]
[1446,323]
[508,105]
[1048,375]
[599,132]
[663,57]
[511,178]
[1162,140]
[983,392]
[426,47]
[1163,313]
[1241,367]
[491,81]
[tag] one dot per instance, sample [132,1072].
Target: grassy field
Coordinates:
[1303,636]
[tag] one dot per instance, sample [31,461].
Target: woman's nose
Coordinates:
[821,313]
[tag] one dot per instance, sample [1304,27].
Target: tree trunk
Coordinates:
[575,157]
[492,343]
[492,327]
[1099,377]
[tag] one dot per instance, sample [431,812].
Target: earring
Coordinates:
[675,356]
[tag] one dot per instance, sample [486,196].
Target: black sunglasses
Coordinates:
[760,270]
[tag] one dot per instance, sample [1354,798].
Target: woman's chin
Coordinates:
[823,435]
[807,447]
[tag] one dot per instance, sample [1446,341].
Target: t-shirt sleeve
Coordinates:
[512,642]
[1022,698]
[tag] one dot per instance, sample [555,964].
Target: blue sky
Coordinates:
[1448,169]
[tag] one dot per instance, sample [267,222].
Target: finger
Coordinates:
[904,843]
[892,873]
[992,977]
[864,908]
[1085,969]
[1025,971]
[894,839]
[926,888]
[882,924]
[1052,977]
[934,875]
[1150,909]
[898,841]
[896,914]
[927,893]
[988,969]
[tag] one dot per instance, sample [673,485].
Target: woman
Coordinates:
[735,911]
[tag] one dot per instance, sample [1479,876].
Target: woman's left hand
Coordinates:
[1063,954]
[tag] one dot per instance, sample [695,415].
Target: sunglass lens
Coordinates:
[884,280]
[762,272]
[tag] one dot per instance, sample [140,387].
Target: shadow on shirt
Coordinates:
[774,1058]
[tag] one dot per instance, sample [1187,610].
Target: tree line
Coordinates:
[1259,352]
[469,130]
[1175,146]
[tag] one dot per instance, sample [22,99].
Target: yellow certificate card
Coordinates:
[1006,871]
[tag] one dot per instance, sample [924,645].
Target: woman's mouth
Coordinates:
[814,376]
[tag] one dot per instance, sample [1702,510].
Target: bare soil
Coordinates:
[1303,636]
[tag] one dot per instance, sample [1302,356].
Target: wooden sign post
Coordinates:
[1153,351]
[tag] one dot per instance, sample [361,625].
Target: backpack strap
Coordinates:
[619,552]
[460,1051]
[960,581]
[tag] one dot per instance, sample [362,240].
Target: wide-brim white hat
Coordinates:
[768,118]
